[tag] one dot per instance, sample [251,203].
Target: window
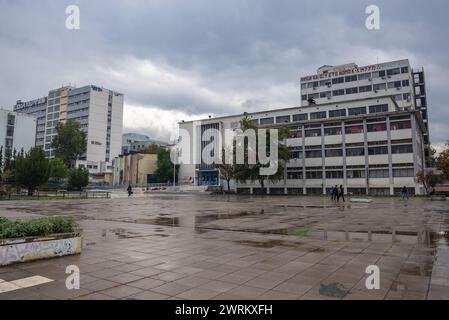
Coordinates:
[338,92]
[392,72]
[364,76]
[325,94]
[9,131]
[378,108]
[314,174]
[334,174]
[380,86]
[296,132]
[404,172]
[304,97]
[297,153]
[404,70]
[303,85]
[333,153]
[400,125]
[379,173]
[300,117]
[377,150]
[282,119]
[378,74]
[365,89]
[405,83]
[313,133]
[407,148]
[338,80]
[325,83]
[355,152]
[294,175]
[313,96]
[337,113]
[351,78]
[265,121]
[313,152]
[357,111]
[376,127]
[318,115]
[355,174]
[352,90]
[354,129]
[394,84]
[332,131]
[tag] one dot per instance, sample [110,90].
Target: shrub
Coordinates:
[35,227]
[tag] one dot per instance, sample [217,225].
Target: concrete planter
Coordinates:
[36,248]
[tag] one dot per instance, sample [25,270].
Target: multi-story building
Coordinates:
[134,142]
[99,112]
[332,84]
[17,132]
[370,141]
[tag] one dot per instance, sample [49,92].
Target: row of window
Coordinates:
[352,174]
[351,78]
[351,129]
[351,152]
[322,114]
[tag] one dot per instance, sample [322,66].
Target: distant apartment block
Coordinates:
[17,132]
[134,142]
[99,112]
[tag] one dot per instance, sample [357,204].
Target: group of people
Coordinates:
[337,193]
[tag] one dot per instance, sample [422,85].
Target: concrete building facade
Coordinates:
[370,146]
[99,112]
[134,169]
[17,132]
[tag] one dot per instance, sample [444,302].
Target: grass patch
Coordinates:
[35,227]
[300,232]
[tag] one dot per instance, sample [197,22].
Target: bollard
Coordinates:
[346,235]
[393,235]
[370,236]
[325,234]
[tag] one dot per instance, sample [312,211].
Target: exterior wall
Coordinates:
[23,130]
[133,169]
[398,140]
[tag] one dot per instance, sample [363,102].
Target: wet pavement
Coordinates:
[199,246]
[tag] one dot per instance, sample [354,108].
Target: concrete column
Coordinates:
[390,158]
[343,146]
[415,150]
[365,138]
[303,133]
[323,163]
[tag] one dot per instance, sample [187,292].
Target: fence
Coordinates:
[57,194]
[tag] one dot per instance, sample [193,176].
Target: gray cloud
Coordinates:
[182,59]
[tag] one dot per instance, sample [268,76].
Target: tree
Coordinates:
[31,170]
[428,178]
[70,142]
[443,162]
[164,170]
[57,170]
[227,171]
[78,178]
[1,159]
[151,149]
[432,157]
[251,172]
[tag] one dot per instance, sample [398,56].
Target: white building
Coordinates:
[371,142]
[99,112]
[17,131]
[134,142]
[332,84]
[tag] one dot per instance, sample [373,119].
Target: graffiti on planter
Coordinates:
[38,250]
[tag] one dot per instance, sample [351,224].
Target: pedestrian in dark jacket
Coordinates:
[335,193]
[341,194]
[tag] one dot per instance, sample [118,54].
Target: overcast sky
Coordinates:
[178,60]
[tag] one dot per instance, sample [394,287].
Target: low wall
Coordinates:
[35,248]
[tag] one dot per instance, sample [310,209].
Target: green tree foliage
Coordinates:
[429,179]
[1,159]
[443,162]
[70,142]
[228,171]
[78,178]
[164,170]
[57,170]
[31,170]
[252,171]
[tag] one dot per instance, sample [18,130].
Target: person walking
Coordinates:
[335,193]
[404,193]
[130,190]
[342,193]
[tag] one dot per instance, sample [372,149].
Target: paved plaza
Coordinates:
[199,246]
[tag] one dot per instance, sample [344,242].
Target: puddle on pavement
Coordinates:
[334,290]
[267,244]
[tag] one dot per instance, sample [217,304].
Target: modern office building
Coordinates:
[99,112]
[17,132]
[135,142]
[332,84]
[370,141]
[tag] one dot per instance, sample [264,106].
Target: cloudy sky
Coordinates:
[178,60]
